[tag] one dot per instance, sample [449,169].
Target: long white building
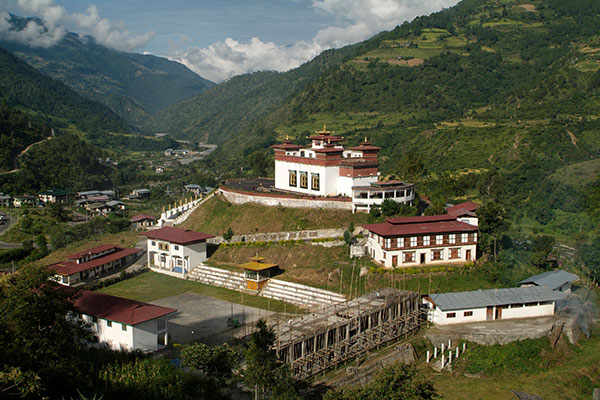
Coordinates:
[491,304]
[327,169]
[175,250]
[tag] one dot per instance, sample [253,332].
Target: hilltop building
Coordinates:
[424,240]
[92,263]
[142,221]
[327,169]
[175,250]
[491,304]
[124,324]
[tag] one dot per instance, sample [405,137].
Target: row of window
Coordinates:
[436,254]
[164,246]
[429,240]
[465,314]
[108,323]
[315,181]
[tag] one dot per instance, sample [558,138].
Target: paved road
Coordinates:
[3,228]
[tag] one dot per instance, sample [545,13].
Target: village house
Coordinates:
[424,240]
[53,196]
[465,212]
[110,194]
[92,263]
[556,280]
[139,194]
[5,200]
[491,304]
[123,324]
[26,200]
[175,250]
[142,221]
[328,169]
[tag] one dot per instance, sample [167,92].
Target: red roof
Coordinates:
[386,229]
[466,206]
[329,150]
[141,217]
[420,219]
[286,145]
[118,309]
[177,235]
[93,250]
[326,138]
[71,267]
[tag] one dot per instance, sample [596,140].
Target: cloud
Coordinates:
[108,33]
[358,20]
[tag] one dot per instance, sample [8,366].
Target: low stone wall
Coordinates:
[277,236]
[274,200]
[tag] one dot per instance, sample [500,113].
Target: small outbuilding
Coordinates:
[257,272]
[142,221]
[556,280]
[491,304]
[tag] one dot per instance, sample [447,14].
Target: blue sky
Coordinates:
[217,39]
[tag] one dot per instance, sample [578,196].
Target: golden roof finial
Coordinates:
[366,139]
[328,140]
[287,137]
[325,131]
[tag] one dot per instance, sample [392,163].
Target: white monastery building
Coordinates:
[175,250]
[328,169]
[425,240]
[491,304]
[124,324]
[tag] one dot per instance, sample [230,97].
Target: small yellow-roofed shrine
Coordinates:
[257,272]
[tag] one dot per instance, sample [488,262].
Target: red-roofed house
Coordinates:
[142,221]
[465,212]
[426,240]
[328,169]
[125,324]
[175,250]
[92,263]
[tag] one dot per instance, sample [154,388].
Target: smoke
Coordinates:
[108,33]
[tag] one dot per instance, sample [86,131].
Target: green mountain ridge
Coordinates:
[132,85]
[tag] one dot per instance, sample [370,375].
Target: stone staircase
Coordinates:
[300,295]
[218,277]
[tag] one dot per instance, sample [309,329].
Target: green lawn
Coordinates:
[151,286]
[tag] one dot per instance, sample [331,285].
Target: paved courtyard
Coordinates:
[206,318]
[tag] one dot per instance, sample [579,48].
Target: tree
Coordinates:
[42,244]
[590,254]
[263,370]
[492,221]
[228,235]
[541,247]
[400,381]
[217,363]
[258,162]
[347,238]
[35,334]
[58,211]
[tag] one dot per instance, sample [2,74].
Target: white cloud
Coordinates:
[108,33]
[359,20]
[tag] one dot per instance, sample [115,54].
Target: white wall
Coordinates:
[114,336]
[273,201]
[328,177]
[196,253]
[440,317]
[144,336]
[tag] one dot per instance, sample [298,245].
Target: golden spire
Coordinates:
[287,137]
[328,140]
[325,131]
[366,139]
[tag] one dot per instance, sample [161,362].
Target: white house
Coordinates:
[175,250]
[424,240]
[556,280]
[491,304]
[125,324]
[328,169]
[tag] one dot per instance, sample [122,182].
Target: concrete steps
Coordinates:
[218,277]
[301,295]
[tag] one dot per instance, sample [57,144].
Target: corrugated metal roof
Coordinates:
[551,279]
[494,297]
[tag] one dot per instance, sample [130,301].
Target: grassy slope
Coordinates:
[216,215]
[151,286]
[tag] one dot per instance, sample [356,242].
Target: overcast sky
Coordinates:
[217,38]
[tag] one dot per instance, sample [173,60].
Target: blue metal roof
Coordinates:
[550,279]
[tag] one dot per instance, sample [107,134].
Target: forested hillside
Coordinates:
[221,113]
[23,86]
[132,85]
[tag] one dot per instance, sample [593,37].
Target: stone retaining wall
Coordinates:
[277,236]
[274,200]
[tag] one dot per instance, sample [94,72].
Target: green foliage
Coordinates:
[58,211]
[143,379]
[541,247]
[590,254]
[492,221]
[399,381]
[228,234]
[511,358]
[347,238]
[15,382]
[217,363]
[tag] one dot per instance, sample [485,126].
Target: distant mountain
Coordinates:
[24,87]
[231,108]
[132,85]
